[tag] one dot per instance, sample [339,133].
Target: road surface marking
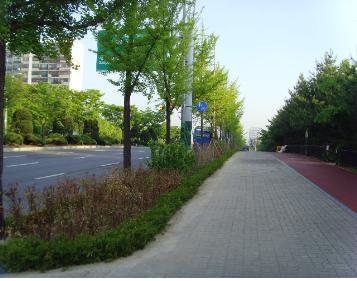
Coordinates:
[50,176]
[99,150]
[110,164]
[24,164]
[147,157]
[141,158]
[14,156]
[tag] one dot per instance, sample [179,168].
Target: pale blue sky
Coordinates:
[265,45]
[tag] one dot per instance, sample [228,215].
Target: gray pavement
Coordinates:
[255,217]
[46,167]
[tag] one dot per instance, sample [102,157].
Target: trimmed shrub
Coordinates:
[56,139]
[173,156]
[12,138]
[22,122]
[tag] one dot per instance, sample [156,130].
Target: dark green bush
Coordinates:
[81,139]
[34,140]
[12,138]
[87,140]
[56,139]
[107,141]
[172,156]
[91,128]
[22,122]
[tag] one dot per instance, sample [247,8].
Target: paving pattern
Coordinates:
[256,217]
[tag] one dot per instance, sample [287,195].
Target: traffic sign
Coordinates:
[202,106]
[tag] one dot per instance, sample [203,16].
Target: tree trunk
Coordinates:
[2,103]
[168,122]
[126,121]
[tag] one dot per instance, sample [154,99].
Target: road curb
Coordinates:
[45,148]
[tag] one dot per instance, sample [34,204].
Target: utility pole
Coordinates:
[186,110]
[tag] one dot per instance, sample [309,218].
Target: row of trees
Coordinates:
[324,104]
[211,84]
[39,111]
[144,42]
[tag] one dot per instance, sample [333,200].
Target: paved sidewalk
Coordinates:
[338,182]
[256,217]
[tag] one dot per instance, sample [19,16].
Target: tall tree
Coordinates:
[128,41]
[171,73]
[43,28]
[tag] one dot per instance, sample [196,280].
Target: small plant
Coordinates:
[12,138]
[172,157]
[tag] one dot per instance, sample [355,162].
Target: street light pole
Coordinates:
[186,111]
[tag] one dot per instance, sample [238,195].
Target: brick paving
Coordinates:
[338,182]
[256,217]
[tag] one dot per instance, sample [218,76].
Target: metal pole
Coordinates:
[202,128]
[186,111]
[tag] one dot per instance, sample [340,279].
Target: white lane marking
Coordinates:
[15,156]
[99,150]
[141,151]
[24,164]
[82,157]
[110,164]
[141,158]
[147,157]
[50,176]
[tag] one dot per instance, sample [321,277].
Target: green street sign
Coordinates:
[102,65]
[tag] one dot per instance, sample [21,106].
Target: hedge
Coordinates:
[31,253]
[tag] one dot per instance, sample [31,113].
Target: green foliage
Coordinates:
[109,133]
[172,156]
[145,126]
[91,129]
[211,84]
[324,104]
[34,140]
[133,234]
[56,139]
[81,139]
[12,138]
[22,122]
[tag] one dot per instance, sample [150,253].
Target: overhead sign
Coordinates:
[202,106]
[102,65]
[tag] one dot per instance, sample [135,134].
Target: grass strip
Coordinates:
[32,253]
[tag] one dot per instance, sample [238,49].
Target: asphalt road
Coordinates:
[43,168]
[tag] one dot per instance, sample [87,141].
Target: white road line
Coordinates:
[14,156]
[82,157]
[24,164]
[147,157]
[141,158]
[99,150]
[110,164]
[50,176]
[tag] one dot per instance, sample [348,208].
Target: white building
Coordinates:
[52,71]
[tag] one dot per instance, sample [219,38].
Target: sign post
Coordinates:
[202,106]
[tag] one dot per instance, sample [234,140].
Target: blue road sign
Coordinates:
[202,106]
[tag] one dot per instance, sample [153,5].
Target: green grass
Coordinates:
[31,253]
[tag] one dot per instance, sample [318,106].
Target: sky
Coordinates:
[265,45]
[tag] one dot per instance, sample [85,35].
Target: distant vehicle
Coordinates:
[207,135]
[245,148]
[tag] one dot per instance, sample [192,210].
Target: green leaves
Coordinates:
[325,103]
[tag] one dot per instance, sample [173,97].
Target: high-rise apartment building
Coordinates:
[52,71]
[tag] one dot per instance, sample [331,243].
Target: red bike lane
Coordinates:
[338,182]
